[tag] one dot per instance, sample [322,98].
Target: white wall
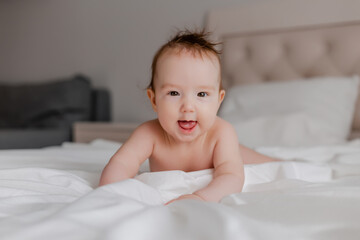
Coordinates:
[112,41]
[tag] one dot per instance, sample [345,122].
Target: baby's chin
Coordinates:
[188,138]
[178,137]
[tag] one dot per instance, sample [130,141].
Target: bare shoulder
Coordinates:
[151,127]
[149,131]
[227,158]
[223,129]
[144,136]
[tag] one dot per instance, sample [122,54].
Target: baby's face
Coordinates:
[187,95]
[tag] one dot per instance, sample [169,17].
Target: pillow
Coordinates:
[317,111]
[48,104]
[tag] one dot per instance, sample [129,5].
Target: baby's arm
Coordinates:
[228,168]
[126,161]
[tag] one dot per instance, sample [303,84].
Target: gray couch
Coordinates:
[42,114]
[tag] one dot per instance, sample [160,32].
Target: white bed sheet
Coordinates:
[51,194]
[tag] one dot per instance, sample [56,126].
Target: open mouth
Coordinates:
[187,125]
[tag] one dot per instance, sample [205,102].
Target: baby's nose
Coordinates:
[187,106]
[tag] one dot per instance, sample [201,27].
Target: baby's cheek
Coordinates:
[166,118]
[209,117]
[210,109]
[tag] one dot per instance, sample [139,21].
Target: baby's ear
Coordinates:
[151,95]
[221,95]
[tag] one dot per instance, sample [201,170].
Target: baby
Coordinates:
[186,93]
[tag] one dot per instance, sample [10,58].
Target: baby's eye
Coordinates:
[202,94]
[173,93]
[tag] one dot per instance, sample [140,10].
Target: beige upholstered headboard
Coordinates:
[287,40]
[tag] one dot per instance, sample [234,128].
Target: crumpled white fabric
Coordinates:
[52,194]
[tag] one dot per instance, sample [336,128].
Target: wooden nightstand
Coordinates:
[85,132]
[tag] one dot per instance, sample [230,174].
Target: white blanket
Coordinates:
[51,194]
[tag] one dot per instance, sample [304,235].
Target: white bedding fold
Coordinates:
[314,199]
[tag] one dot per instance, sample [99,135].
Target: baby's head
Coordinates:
[195,43]
[185,89]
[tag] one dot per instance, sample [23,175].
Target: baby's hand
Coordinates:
[187,196]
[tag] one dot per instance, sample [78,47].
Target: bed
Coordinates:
[302,109]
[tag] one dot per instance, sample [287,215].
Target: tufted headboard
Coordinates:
[289,40]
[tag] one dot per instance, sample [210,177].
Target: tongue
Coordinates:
[187,124]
